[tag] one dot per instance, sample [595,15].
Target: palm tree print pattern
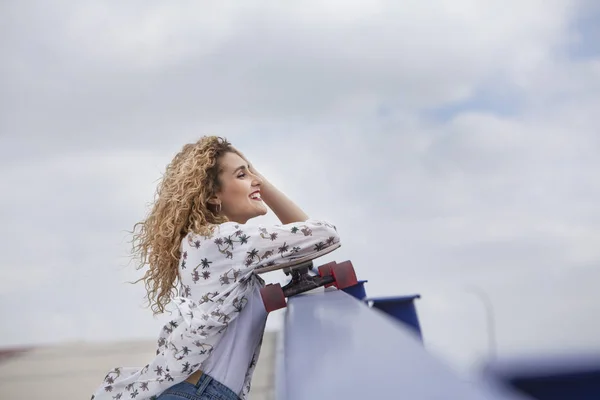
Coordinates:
[211,295]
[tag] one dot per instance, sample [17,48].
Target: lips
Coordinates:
[255,195]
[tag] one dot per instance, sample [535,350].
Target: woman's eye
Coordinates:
[241,175]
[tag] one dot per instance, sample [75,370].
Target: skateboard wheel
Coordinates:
[344,275]
[325,270]
[273,297]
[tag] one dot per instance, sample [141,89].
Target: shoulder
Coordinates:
[216,233]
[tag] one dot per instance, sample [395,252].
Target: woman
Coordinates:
[197,240]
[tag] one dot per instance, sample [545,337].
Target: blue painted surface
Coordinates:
[280,384]
[572,377]
[357,291]
[400,307]
[335,347]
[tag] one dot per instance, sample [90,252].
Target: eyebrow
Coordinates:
[239,168]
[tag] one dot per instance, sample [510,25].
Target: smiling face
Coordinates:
[239,193]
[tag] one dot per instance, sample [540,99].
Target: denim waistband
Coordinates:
[206,381]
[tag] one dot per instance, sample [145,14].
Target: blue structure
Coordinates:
[343,345]
[336,347]
[574,376]
[402,308]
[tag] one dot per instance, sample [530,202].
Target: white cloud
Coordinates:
[141,35]
[202,64]
[335,107]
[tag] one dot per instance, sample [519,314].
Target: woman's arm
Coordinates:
[286,210]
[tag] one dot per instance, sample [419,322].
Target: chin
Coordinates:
[258,213]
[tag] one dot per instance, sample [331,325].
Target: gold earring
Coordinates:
[219,208]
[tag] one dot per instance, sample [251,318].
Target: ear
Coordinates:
[214,200]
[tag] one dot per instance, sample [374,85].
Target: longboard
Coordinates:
[296,262]
[340,275]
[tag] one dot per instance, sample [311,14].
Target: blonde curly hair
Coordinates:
[180,206]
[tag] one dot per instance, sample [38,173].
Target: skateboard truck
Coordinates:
[340,275]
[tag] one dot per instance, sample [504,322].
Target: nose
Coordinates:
[256,181]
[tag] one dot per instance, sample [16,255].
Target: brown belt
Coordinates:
[194,378]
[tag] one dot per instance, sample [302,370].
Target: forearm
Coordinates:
[286,210]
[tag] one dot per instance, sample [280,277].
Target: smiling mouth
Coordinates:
[256,196]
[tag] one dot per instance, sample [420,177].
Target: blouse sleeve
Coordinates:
[277,244]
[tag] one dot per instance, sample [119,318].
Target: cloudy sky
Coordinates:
[454,143]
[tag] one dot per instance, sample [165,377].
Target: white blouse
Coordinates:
[229,361]
[217,282]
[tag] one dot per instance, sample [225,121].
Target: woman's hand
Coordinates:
[251,167]
[254,172]
[285,209]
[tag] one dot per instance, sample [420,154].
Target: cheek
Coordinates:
[235,191]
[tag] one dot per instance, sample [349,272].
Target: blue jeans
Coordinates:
[206,389]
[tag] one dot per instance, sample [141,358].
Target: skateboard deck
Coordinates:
[340,275]
[297,262]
